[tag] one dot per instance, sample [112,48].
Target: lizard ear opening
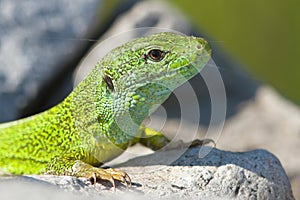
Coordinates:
[109,82]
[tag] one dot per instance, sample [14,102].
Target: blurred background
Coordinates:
[262,35]
[255,46]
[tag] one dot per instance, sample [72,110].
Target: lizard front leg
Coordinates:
[156,140]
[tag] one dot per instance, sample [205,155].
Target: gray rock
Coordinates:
[37,40]
[220,174]
[271,122]
[255,174]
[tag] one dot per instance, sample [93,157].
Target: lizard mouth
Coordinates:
[193,67]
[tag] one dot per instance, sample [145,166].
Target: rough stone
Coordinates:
[37,40]
[220,174]
[256,174]
[271,122]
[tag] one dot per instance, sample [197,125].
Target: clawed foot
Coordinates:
[203,142]
[180,144]
[81,169]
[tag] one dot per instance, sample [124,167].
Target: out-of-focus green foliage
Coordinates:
[262,34]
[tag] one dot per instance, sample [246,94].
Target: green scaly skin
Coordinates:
[103,115]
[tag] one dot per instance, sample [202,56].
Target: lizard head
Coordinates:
[145,71]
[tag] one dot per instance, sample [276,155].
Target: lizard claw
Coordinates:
[81,169]
[203,142]
[180,144]
[119,175]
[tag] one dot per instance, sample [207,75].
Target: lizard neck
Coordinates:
[118,115]
[133,105]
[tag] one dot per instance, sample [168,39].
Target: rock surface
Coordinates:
[255,174]
[271,122]
[37,40]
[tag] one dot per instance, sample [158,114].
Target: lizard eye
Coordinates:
[109,82]
[156,55]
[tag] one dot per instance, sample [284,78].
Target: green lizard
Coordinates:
[104,113]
